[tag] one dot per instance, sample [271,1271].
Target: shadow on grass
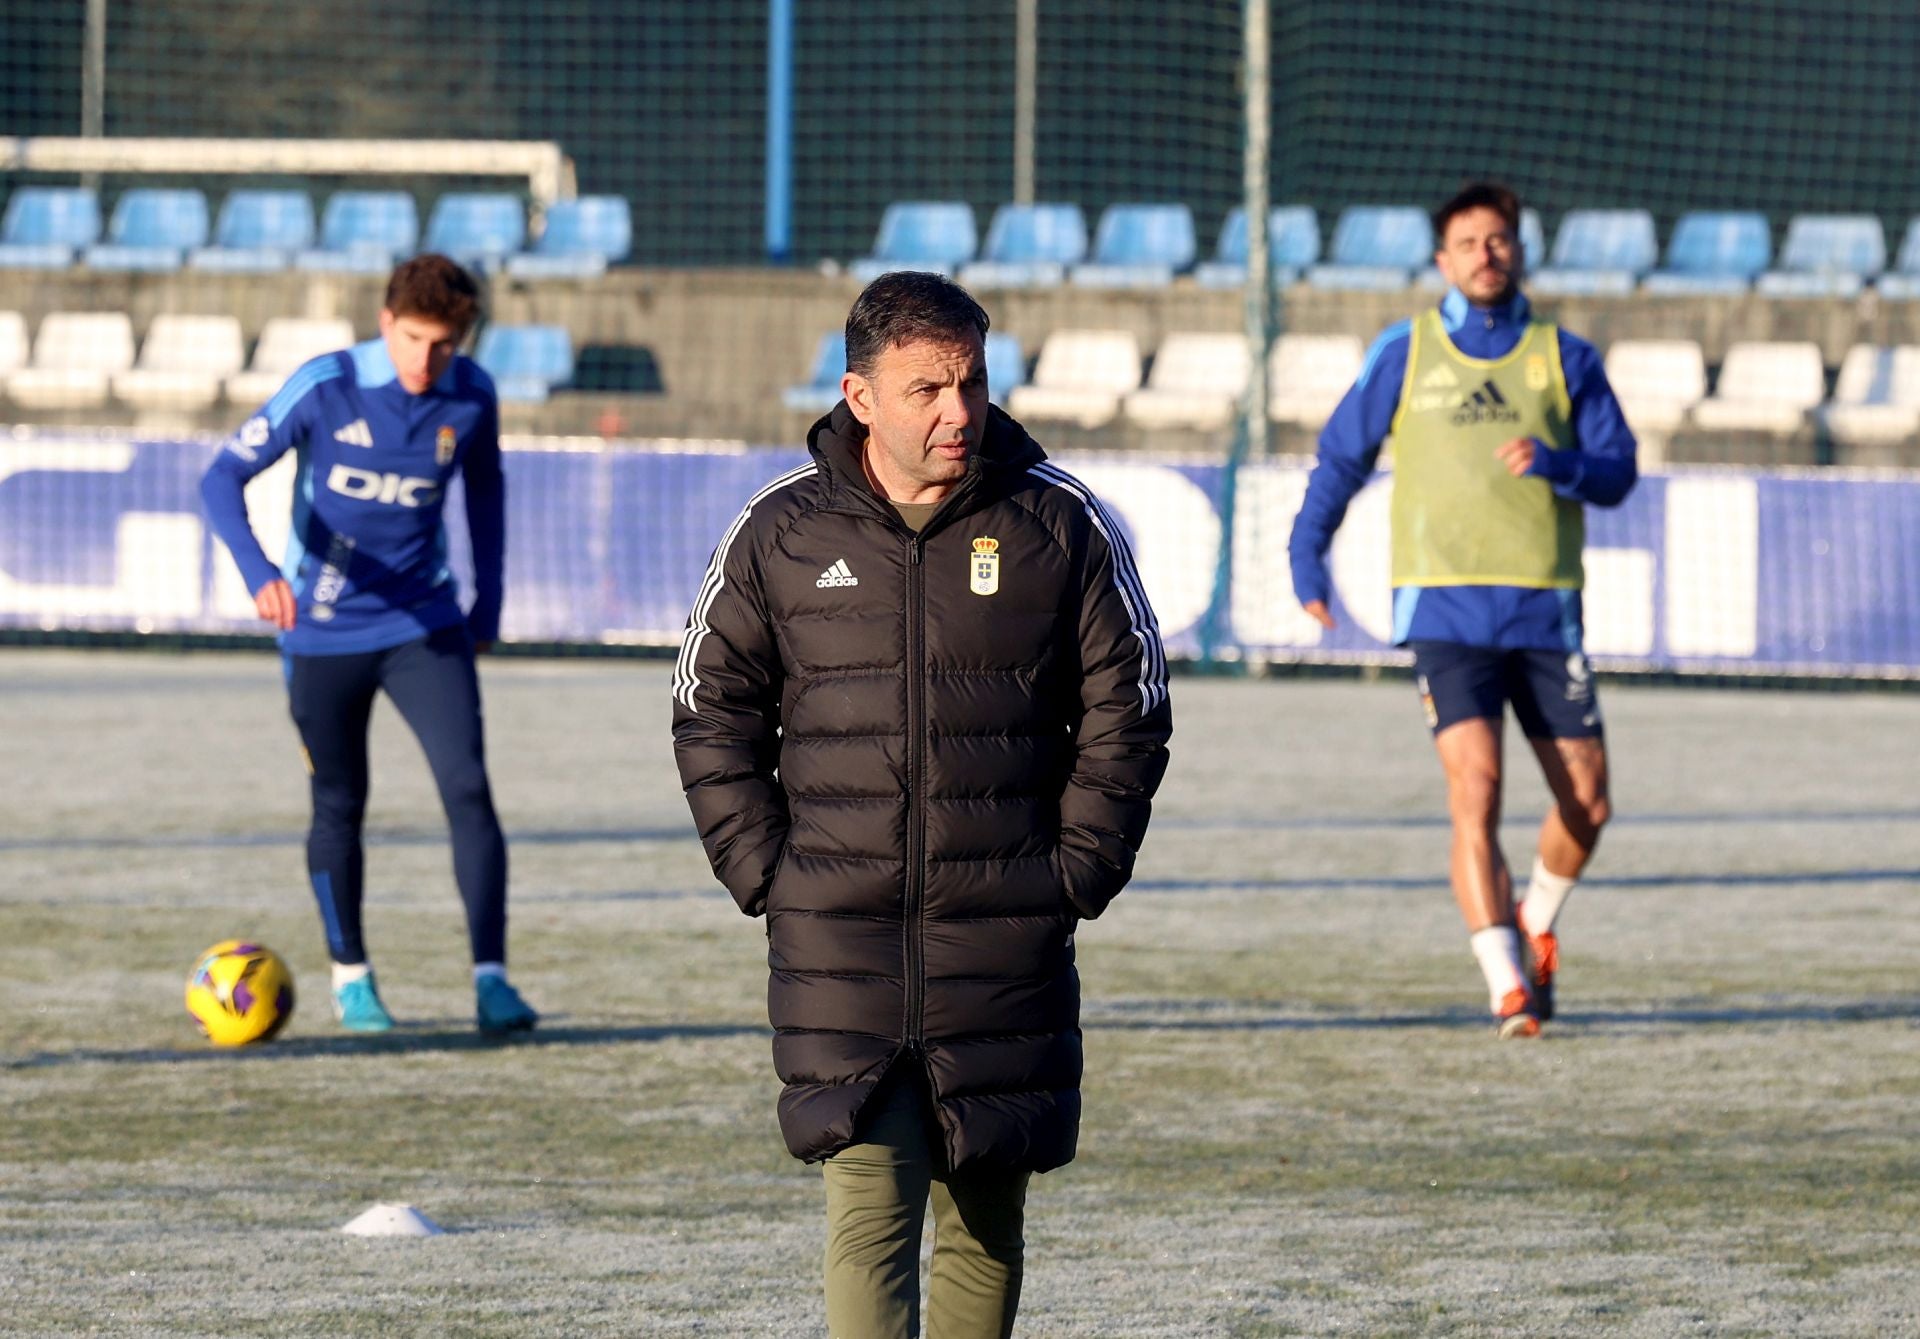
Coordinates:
[407,1039]
[1193,1016]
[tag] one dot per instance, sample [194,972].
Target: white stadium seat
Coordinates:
[1764,388]
[74,355]
[182,363]
[1196,382]
[285,343]
[14,345]
[1080,377]
[1308,374]
[1656,381]
[1877,398]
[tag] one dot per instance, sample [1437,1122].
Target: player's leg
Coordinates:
[876,1207]
[1462,690]
[1560,714]
[436,689]
[331,699]
[979,1252]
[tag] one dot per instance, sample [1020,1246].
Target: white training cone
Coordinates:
[393,1220]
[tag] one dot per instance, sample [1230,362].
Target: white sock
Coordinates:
[1498,949]
[486,969]
[1546,892]
[345,973]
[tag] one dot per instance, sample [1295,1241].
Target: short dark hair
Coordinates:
[435,287]
[906,307]
[1478,195]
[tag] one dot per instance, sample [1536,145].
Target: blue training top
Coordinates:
[1600,470]
[367,556]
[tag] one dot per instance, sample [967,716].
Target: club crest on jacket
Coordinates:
[986,565]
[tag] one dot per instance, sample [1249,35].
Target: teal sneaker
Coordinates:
[357,1006]
[500,1008]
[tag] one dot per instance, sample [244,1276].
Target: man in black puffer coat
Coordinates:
[920,714]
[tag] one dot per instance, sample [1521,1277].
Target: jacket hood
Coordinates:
[837,440]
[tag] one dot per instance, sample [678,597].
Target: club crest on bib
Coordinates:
[1537,377]
[443,446]
[986,566]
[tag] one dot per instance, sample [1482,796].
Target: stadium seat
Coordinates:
[1764,388]
[46,225]
[617,369]
[1376,247]
[1139,246]
[1656,381]
[152,230]
[14,344]
[821,390]
[285,343]
[1713,253]
[1308,374]
[929,235]
[581,237]
[74,356]
[1029,245]
[1826,255]
[1196,382]
[1598,252]
[1903,280]
[257,232]
[1293,243]
[364,232]
[1876,400]
[1080,377]
[1533,249]
[527,362]
[1006,365]
[182,363]
[477,228]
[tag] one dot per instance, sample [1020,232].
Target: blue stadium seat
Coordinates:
[1827,255]
[1006,365]
[1376,247]
[581,238]
[1293,242]
[364,232]
[1139,246]
[1599,251]
[45,225]
[1029,245]
[258,232]
[526,362]
[821,390]
[931,235]
[1533,246]
[1713,253]
[477,228]
[152,230]
[1903,280]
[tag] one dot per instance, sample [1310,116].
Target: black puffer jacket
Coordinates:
[924,758]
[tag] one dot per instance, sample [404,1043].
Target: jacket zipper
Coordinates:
[914,929]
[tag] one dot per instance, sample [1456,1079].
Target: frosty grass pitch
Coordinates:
[1297,1119]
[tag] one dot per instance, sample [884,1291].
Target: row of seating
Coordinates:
[186,363]
[1595,251]
[269,230]
[1090,377]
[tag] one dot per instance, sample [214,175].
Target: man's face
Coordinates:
[925,407]
[1480,256]
[420,348]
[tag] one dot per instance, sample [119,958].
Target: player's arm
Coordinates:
[486,489]
[1349,446]
[726,717]
[1602,469]
[1120,745]
[254,446]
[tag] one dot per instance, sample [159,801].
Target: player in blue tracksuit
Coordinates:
[1503,429]
[365,602]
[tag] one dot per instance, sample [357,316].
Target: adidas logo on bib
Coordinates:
[837,575]
[355,433]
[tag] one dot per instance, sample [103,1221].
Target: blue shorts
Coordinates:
[1552,692]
